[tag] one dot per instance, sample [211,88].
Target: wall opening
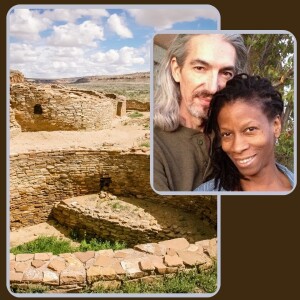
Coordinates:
[37,110]
[119,108]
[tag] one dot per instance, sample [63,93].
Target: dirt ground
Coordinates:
[125,133]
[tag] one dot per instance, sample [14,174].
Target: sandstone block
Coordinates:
[36,263]
[22,266]
[152,248]
[108,252]
[72,275]
[202,243]
[84,256]
[146,265]
[173,261]
[128,253]
[24,257]
[57,265]
[50,277]
[15,277]
[176,244]
[192,258]
[95,273]
[192,248]
[32,275]
[104,261]
[132,268]
[43,256]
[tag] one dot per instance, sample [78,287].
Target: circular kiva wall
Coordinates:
[39,180]
[54,107]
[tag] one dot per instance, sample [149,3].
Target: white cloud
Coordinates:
[117,25]
[125,56]
[47,61]
[22,53]
[165,18]
[60,62]
[27,24]
[130,56]
[71,35]
[71,15]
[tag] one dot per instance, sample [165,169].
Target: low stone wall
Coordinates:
[92,216]
[110,269]
[39,180]
[137,105]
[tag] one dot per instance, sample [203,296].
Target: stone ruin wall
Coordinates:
[16,77]
[58,108]
[137,105]
[39,180]
[51,107]
[119,102]
[111,226]
[15,127]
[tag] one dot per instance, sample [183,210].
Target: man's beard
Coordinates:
[197,112]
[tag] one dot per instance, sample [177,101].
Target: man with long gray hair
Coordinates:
[196,66]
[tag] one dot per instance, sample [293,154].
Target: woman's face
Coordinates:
[248,137]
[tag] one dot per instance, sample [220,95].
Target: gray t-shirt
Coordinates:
[181,159]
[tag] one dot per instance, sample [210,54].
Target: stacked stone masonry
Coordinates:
[50,107]
[39,180]
[54,107]
[103,216]
[110,269]
[137,105]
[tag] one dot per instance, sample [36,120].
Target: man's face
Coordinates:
[208,66]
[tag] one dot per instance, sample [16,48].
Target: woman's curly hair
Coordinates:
[253,90]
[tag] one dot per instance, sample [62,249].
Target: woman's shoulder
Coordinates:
[287,172]
[207,186]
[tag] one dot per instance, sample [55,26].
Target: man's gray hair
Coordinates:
[166,89]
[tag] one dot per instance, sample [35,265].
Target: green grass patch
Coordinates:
[57,246]
[135,114]
[30,288]
[45,244]
[96,245]
[145,144]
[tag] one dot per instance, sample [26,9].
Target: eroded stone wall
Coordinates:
[16,77]
[39,180]
[15,127]
[110,225]
[137,105]
[53,107]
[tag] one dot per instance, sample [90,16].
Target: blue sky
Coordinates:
[71,41]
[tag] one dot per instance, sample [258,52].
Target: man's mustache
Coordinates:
[203,94]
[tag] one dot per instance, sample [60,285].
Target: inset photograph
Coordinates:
[223,113]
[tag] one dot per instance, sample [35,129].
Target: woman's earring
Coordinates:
[277,142]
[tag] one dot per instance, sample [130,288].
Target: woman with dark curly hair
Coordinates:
[245,120]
